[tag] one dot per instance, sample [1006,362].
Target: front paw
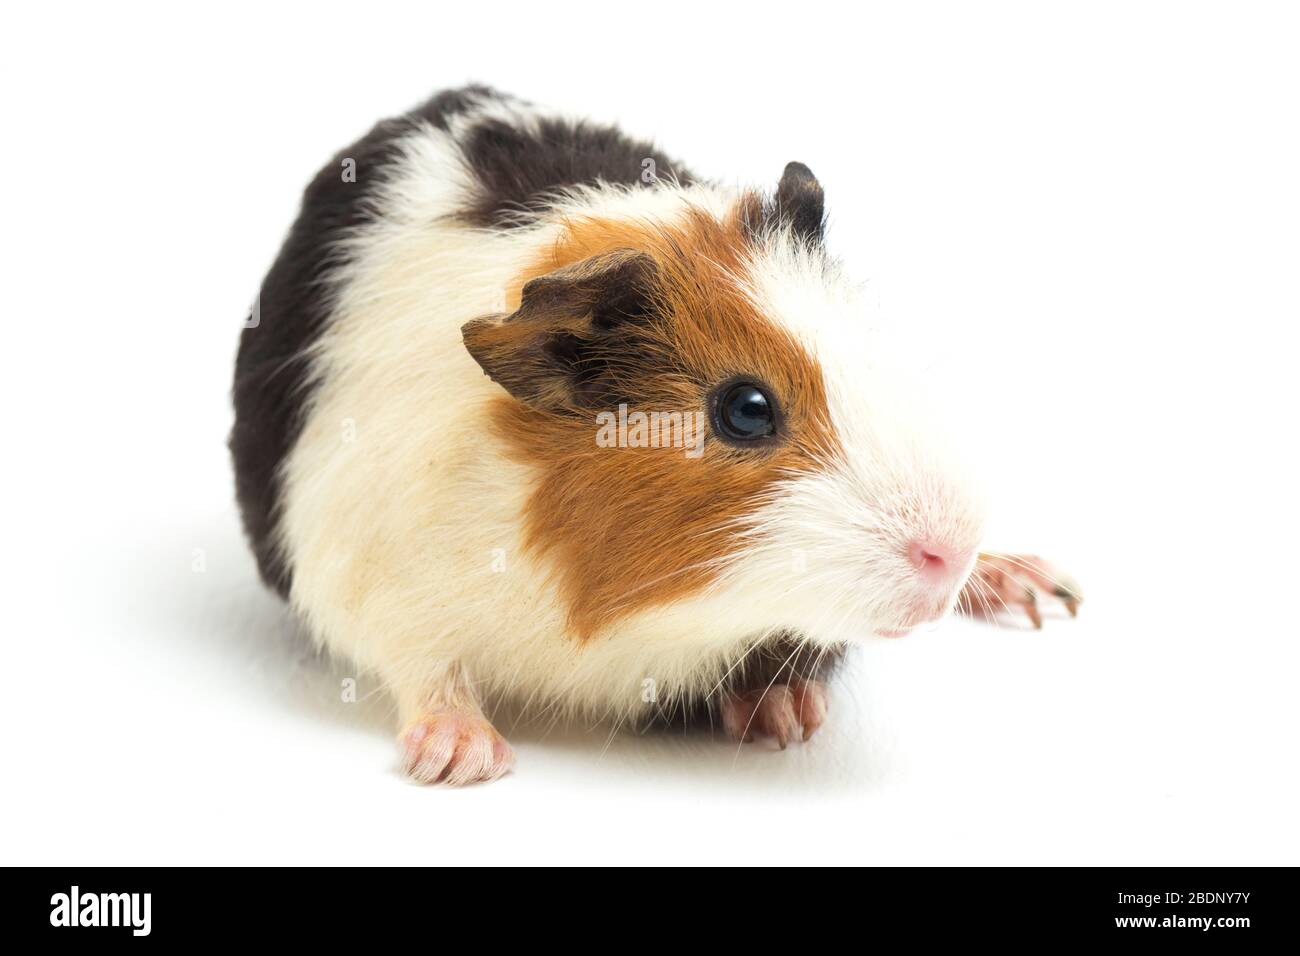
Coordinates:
[454,747]
[781,712]
[1005,582]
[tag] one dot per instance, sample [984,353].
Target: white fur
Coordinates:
[401,514]
[849,526]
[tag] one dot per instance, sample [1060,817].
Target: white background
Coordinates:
[1090,216]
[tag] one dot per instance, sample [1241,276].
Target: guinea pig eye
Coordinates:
[745,412]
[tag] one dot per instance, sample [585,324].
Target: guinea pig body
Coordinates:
[530,414]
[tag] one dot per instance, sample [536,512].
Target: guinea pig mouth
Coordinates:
[893,632]
[917,616]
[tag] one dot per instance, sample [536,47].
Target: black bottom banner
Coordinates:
[1229,907]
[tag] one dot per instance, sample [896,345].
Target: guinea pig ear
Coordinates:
[800,202]
[551,352]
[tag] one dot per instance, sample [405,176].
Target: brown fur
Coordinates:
[628,528]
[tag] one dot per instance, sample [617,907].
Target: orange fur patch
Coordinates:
[629,528]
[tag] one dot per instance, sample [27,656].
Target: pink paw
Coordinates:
[1003,582]
[782,712]
[454,747]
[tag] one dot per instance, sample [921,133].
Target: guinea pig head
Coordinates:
[705,419]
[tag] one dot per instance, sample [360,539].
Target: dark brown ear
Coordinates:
[554,351]
[800,202]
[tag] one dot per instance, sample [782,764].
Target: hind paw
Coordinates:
[781,712]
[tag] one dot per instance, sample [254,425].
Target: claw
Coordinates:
[1031,609]
[1070,601]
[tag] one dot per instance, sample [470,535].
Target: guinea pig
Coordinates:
[528,413]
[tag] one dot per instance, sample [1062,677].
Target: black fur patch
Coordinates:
[519,169]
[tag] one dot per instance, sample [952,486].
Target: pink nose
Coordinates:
[932,560]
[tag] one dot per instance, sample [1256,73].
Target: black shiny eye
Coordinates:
[745,412]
